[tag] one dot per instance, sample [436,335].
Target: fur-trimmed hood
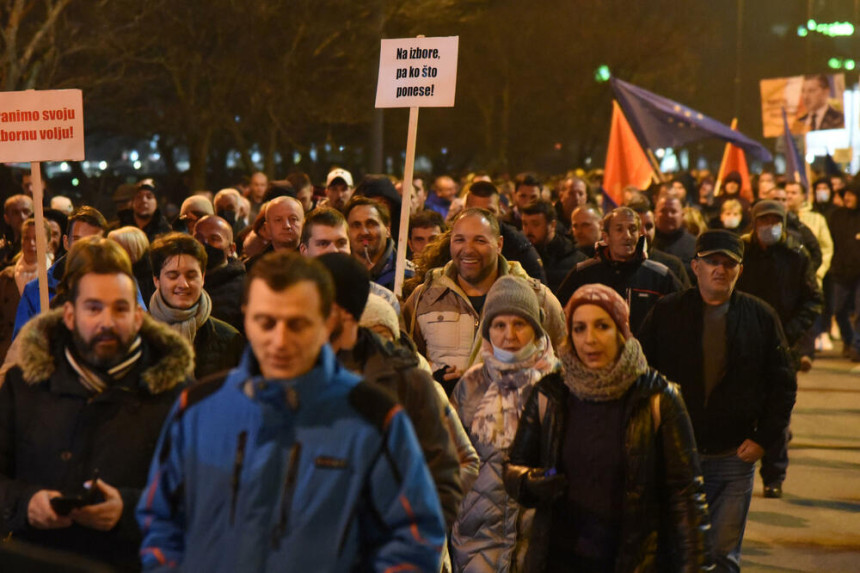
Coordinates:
[175,365]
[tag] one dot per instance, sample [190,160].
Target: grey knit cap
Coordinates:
[512,295]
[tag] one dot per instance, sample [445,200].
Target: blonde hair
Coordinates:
[133,240]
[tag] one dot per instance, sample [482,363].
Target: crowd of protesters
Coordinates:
[565,383]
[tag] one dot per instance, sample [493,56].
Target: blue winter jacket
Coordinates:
[319,473]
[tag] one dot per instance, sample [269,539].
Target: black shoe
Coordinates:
[773,491]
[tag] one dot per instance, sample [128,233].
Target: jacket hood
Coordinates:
[176,364]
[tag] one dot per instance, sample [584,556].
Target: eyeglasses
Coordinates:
[725,262]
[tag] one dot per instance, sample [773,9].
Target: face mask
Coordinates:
[769,235]
[822,195]
[731,222]
[511,357]
[214,257]
[229,216]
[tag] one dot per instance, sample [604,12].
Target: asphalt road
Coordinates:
[815,527]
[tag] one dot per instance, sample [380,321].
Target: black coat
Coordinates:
[158,225]
[225,286]
[53,435]
[559,256]
[516,247]
[757,392]
[217,347]
[664,513]
[681,244]
[845,229]
[784,277]
[640,281]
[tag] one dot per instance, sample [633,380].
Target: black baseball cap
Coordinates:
[720,241]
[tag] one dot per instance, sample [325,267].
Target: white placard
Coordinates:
[417,72]
[41,126]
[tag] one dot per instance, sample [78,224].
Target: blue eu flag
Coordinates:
[661,122]
[795,165]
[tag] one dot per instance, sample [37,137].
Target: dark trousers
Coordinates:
[774,463]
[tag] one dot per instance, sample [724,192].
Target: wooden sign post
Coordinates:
[414,73]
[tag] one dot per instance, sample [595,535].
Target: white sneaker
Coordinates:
[826,343]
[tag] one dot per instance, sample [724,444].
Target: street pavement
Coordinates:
[815,527]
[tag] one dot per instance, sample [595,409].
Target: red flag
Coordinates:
[626,163]
[734,159]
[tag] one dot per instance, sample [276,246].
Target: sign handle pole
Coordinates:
[408,171]
[41,240]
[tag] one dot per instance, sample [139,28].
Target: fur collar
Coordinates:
[175,365]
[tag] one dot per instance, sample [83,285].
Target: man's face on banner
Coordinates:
[814,95]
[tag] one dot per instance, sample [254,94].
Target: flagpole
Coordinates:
[722,172]
[655,165]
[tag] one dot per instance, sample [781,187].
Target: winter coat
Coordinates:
[640,281]
[754,398]
[396,370]
[316,473]
[492,530]
[217,347]
[516,247]
[818,225]
[783,276]
[225,286]
[445,326]
[681,243]
[54,434]
[845,230]
[9,299]
[383,273]
[664,521]
[559,256]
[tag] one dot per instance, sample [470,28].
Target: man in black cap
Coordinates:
[144,213]
[396,369]
[728,352]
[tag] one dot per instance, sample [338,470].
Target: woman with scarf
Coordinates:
[491,532]
[180,301]
[15,277]
[607,457]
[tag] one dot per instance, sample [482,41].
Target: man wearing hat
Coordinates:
[728,352]
[338,188]
[144,212]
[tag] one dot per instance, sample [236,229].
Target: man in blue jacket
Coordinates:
[289,462]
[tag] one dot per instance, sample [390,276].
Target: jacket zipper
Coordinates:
[237,473]
[287,497]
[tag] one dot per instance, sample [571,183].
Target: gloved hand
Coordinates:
[544,485]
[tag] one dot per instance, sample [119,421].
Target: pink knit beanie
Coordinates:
[607,299]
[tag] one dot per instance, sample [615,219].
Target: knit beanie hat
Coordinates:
[512,295]
[604,297]
[377,312]
[351,281]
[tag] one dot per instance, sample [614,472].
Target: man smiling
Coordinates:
[180,301]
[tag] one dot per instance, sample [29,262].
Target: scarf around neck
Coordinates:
[96,380]
[185,322]
[25,272]
[498,413]
[607,383]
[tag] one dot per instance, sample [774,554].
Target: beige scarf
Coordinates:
[185,322]
[607,383]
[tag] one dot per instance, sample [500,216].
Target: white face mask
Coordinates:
[769,235]
[822,195]
[511,357]
[731,222]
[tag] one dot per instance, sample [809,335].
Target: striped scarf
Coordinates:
[97,381]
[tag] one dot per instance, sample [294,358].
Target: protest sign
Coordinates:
[41,126]
[417,72]
[38,126]
[413,73]
[812,103]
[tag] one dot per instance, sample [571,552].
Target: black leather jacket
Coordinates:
[665,518]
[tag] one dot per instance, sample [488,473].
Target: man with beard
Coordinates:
[443,314]
[369,223]
[100,376]
[225,274]
[623,265]
[284,219]
[144,213]
[557,252]
[180,301]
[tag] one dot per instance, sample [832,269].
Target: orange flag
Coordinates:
[626,163]
[734,159]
